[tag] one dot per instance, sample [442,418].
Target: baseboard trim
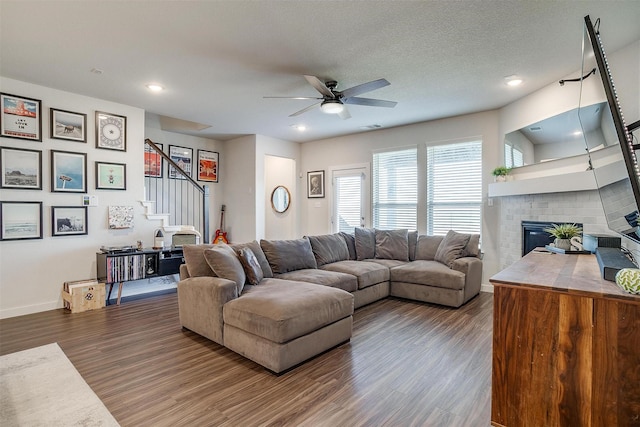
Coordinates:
[486,288]
[29,309]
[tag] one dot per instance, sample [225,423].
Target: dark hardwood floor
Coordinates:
[408,364]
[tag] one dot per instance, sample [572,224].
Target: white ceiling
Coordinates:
[217,59]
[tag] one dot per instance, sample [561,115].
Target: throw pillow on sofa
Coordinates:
[225,263]
[288,255]
[257,251]
[392,244]
[251,267]
[329,248]
[365,243]
[194,259]
[451,248]
[350,240]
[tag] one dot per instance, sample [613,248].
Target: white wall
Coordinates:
[280,171]
[32,272]
[239,176]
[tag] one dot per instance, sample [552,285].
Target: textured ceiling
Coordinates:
[217,59]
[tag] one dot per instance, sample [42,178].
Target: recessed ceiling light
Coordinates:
[300,128]
[578,132]
[153,87]
[513,80]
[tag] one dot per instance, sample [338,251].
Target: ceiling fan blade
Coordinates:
[304,110]
[291,97]
[344,114]
[365,87]
[369,102]
[320,87]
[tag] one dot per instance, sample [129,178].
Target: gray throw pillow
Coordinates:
[427,246]
[288,255]
[257,251]
[365,243]
[251,267]
[350,240]
[413,241]
[473,247]
[392,244]
[225,263]
[329,248]
[451,248]
[194,259]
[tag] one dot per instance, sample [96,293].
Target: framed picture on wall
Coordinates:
[68,125]
[315,184]
[111,176]
[183,157]
[152,161]
[20,220]
[68,172]
[208,165]
[68,220]
[21,169]
[111,131]
[20,117]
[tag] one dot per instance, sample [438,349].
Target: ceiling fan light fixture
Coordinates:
[332,106]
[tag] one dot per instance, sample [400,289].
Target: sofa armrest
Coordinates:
[200,302]
[472,269]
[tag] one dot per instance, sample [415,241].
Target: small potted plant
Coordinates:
[500,173]
[563,234]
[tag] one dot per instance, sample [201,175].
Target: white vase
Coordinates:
[563,244]
[500,178]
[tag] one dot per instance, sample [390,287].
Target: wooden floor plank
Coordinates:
[407,364]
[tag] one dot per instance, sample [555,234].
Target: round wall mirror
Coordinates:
[280,199]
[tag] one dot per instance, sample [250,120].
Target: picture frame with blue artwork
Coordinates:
[68,172]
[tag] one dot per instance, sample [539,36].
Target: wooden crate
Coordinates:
[83,295]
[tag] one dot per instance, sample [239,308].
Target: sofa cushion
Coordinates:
[392,244]
[350,240]
[251,266]
[365,239]
[257,251]
[367,273]
[329,248]
[282,310]
[412,237]
[288,255]
[225,263]
[197,265]
[388,263]
[452,247]
[334,279]
[427,246]
[430,273]
[473,247]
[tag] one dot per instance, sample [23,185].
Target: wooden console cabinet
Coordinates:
[566,345]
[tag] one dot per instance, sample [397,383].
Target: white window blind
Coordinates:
[348,191]
[454,188]
[395,189]
[513,157]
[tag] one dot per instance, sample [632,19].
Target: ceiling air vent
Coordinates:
[535,128]
[368,127]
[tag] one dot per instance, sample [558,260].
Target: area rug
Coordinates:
[41,387]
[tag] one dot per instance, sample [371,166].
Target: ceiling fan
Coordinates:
[333,101]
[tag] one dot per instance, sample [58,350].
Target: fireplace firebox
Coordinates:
[533,234]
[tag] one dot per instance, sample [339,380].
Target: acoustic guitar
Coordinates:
[221,236]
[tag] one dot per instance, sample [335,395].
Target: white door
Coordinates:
[350,197]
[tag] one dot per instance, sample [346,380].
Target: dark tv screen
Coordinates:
[611,152]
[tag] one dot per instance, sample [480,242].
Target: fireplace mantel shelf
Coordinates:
[575,181]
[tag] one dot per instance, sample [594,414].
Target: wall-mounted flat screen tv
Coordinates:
[610,147]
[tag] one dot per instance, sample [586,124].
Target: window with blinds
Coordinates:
[348,202]
[454,188]
[513,156]
[395,189]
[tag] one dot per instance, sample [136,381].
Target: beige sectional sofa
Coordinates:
[281,302]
